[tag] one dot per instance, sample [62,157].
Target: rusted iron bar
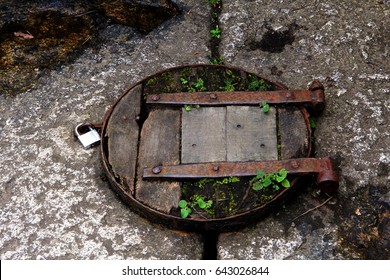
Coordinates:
[327,178]
[314,97]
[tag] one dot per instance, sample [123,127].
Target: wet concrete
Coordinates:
[56,203]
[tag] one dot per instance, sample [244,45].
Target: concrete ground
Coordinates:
[56,204]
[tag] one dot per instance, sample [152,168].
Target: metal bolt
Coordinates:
[216,168]
[288,95]
[156,170]
[294,164]
[155,97]
[213,96]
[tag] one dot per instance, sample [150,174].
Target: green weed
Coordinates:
[273,180]
[216,32]
[265,106]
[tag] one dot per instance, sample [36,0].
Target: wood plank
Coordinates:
[204,135]
[122,133]
[251,134]
[159,145]
[294,134]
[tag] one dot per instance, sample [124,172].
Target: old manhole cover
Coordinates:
[183,147]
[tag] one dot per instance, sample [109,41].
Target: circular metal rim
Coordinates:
[224,224]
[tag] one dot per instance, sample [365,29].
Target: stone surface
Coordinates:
[55,202]
[55,205]
[345,45]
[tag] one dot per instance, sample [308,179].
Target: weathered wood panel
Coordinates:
[204,135]
[251,134]
[159,145]
[122,133]
[294,135]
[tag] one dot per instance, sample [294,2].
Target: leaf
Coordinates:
[258,186]
[260,174]
[187,108]
[285,183]
[276,187]
[312,123]
[279,179]
[182,203]
[282,173]
[266,108]
[183,81]
[184,212]
[201,204]
[267,181]
[235,179]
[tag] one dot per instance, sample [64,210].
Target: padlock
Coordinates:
[87,134]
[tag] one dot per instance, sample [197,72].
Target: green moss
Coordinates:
[186,73]
[151,81]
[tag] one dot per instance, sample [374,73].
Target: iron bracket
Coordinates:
[327,179]
[314,98]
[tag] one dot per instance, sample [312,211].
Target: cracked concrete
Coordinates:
[56,204]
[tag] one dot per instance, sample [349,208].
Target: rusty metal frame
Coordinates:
[327,179]
[313,98]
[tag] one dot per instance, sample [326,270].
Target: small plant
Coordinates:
[195,86]
[229,85]
[313,124]
[226,181]
[265,106]
[202,182]
[185,211]
[217,61]
[216,32]
[184,81]
[272,180]
[214,2]
[201,203]
[188,108]
[198,201]
[258,84]
[198,85]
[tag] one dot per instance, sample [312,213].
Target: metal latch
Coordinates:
[87,135]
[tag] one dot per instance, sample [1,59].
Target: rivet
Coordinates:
[294,164]
[213,96]
[216,168]
[125,118]
[155,97]
[156,170]
[288,95]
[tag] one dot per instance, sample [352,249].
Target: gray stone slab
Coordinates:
[54,201]
[251,134]
[159,145]
[204,135]
[291,45]
[122,132]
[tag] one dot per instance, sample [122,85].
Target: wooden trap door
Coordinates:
[231,133]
